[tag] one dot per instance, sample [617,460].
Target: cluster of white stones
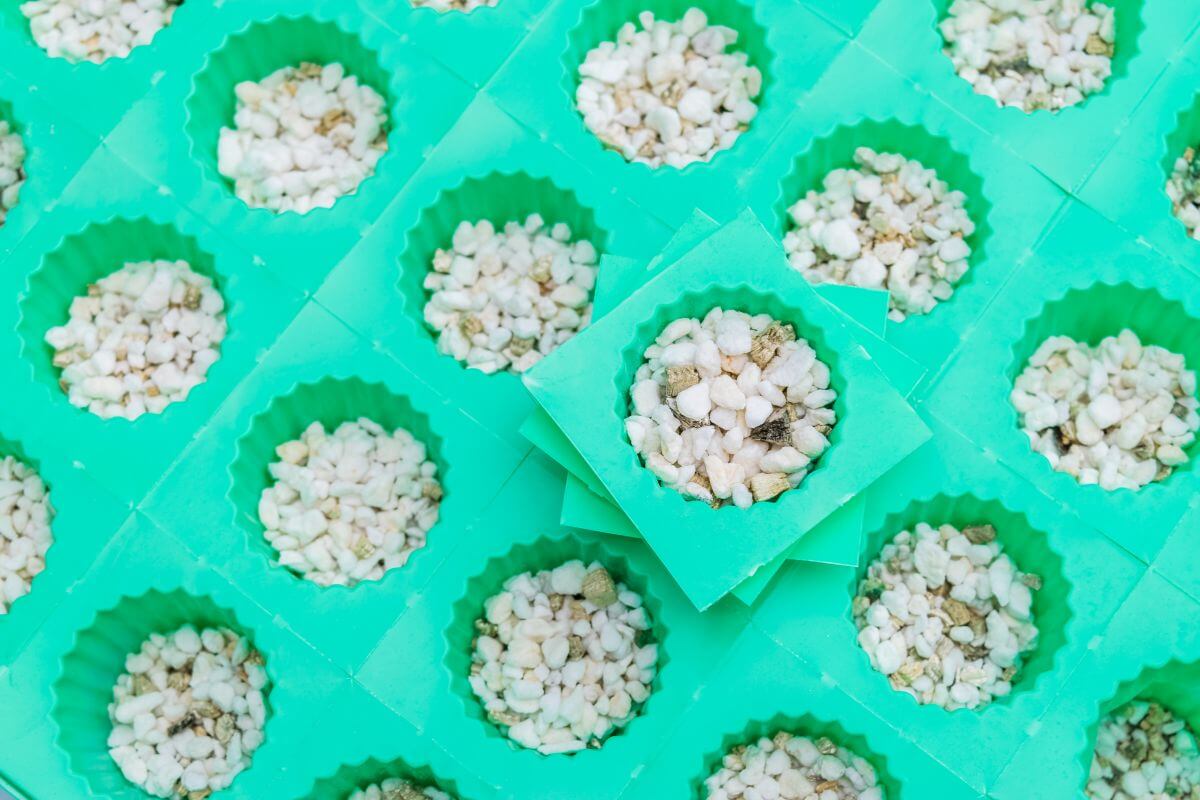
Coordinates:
[1031,54]
[398,789]
[888,223]
[789,767]
[503,300]
[25,517]
[96,30]
[1183,187]
[730,409]
[946,615]
[563,657]
[350,506]
[12,168]
[1143,752]
[188,712]
[453,5]
[302,137]
[1119,414]
[140,339]
[668,93]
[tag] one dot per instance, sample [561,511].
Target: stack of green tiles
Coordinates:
[156,519]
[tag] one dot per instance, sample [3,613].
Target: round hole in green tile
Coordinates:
[354,777]
[83,689]
[330,402]
[1028,547]
[13,157]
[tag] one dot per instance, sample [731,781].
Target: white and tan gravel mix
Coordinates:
[188,712]
[141,338]
[504,299]
[350,505]
[1144,752]
[946,615]
[791,767]
[730,409]
[886,223]
[454,5]
[1119,414]
[398,789]
[12,168]
[96,30]
[1183,187]
[563,657]
[302,137]
[25,535]
[669,93]
[1031,54]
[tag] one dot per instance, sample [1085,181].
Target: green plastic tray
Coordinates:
[155,520]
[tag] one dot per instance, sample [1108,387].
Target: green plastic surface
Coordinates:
[155,518]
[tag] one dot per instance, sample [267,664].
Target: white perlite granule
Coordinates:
[398,789]
[12,168]
[188,712]
[25,536]
[731,409]
[1119,414]
[350,506]
[140,339]
[1143,752]
[96,30]
[791,767]
[502,300]
[946,615]
[888,223]
[302,137]
[1182,187]
[453,5]
[668,93]
[563,657]
[1031,54]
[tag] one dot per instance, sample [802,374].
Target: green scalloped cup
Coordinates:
[600,21]
[499,197]
[1090,315]
[87,674]
[808,726]
[1028,548]
[331,402]
[1171,685]
[253,53]
[1125,47]
[353,777]
[9,447]
[697,305]
[835,150]
[542,554]
[84,257]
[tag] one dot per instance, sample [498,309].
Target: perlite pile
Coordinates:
[733,408]
[946,615]
[563,657]
[1144,752]
[1183,187]
[25,536]
[398,789]
[887,223]
[668,92]
[140,339]
[791,767]
[12,168]
[1119,414]
[302,137]
[502,300]
[1031,54]
[96,30]
[350,506]
[188,712]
